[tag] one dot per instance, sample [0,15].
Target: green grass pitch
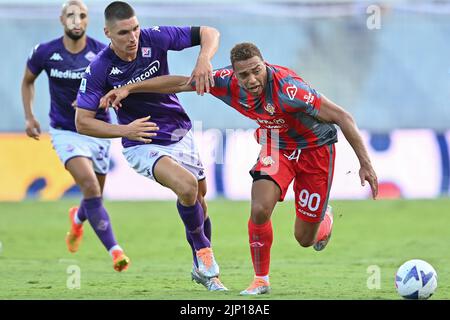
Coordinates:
[34,262]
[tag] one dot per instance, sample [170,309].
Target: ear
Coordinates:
[61,19]
[106,31]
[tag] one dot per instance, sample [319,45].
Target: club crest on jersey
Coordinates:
[267,161]
[146,52]
[291,91]
[89,56]
[270,108]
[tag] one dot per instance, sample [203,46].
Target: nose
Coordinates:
[77,20]
[251,79]
[133,37]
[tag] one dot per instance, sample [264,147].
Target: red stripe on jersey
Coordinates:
[218,91]
[251,101]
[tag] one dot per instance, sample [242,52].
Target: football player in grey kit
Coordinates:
[86,158]
[162,149]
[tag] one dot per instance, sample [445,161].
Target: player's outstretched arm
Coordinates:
[332,113]
[137,130]
[162,84]
[202,73]
[32,126]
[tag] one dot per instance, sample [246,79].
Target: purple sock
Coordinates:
[193,221]
[99,220]
[207,230]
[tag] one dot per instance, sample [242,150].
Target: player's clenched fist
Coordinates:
[33,128]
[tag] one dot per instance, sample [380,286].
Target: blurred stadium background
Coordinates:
[393,77]
[392,74]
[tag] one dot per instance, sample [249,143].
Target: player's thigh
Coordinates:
[312,183]
[172,175]
[312,187]
[265,195]
[83,173]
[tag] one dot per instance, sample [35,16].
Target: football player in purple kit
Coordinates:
[162,149]
[297,134]
[86,158]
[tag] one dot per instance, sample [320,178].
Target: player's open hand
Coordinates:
[114,97]
[33,128]
[366,173]
[141,130]
[202,76]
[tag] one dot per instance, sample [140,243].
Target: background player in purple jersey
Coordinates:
[298,136]
[86,158]
[169,156]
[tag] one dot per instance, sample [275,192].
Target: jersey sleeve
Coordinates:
[169,37]
[36,59]
[92,87]
[222,82]
[222,79]
[297,95]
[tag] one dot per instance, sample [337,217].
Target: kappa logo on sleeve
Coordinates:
[308,98]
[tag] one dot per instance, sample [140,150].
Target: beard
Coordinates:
[74,36]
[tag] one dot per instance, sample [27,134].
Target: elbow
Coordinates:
[211,31]
[80,125]
[344,118]
[216,33]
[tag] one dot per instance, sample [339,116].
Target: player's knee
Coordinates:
[187,191]
[90,188]
[304,241]
[260,212]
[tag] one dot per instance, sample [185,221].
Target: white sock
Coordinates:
[116,247]
[265,278]
[76,219]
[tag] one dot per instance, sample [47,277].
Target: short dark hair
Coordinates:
[118,10]
[244,51]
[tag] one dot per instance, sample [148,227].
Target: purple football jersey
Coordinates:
[108,71]
[65,71]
